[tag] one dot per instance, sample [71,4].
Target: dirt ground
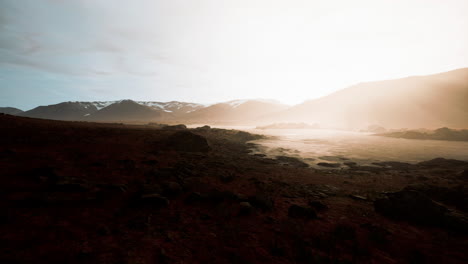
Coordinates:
[76,192]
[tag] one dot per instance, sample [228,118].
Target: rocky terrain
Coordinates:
[77,192]
[438,134]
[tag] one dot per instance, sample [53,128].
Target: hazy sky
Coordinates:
[217,50]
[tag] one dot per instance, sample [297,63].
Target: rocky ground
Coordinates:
[77,192]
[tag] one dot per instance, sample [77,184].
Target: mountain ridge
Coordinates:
[430,101]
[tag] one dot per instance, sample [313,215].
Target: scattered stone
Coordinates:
[412,206]
[44,174]
[377,234]
[150,162]
[194,197]
[295,162]
[114,188]
[350,163]
[188,142]
[70,185]
[153,199]
[417,208]
[443,163]
[262,201]
[329,165]
[318,206]
[344,232]
[463,175]
[171,189]
[358,197]
[246,208]
[297,211]
[103,231]
[226,178]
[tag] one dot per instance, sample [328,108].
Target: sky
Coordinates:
[209,51]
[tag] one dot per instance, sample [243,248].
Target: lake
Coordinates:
[322,145]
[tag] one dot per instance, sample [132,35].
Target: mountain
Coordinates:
[123,110]
[62,111]
[420,101]
[174,107]
[10,110]
[128,110]
[237,111]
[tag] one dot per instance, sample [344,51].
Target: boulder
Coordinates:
[188,142]
[262,201]
[317,205]
[329,164]
[294,162]
[298,211]
[171,189]
[153,200]
[411,206]
[245,208]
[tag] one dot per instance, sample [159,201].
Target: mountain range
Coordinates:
[432,101]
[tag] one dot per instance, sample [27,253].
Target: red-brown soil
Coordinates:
[75,192]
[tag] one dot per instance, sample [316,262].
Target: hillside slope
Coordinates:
[431,101]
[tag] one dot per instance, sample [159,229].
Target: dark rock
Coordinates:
[456,196]
[329,165]
[112,188]
[358,197]
[176,127]
[377,234]
[245,136]
[171,189]
[70,186]
[297,211]
[150,162]
[192,183]
[441,162]
[262,201]
[463,175]
[317,205]
[216,196]
[394,165]
[226,178]
[203,128]
[344,232]
[44,174]
[412,206]
[350,163]
[188,142]
[194,197]
[103,231]
[127,164]
[246,208]
[295,162]
[153,200]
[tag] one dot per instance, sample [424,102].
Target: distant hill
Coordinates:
[432,101]
[10,110]
[443,133]
[421,101]
[174,107]
[62,111]
[127,110]
[237,111]
[123,110]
